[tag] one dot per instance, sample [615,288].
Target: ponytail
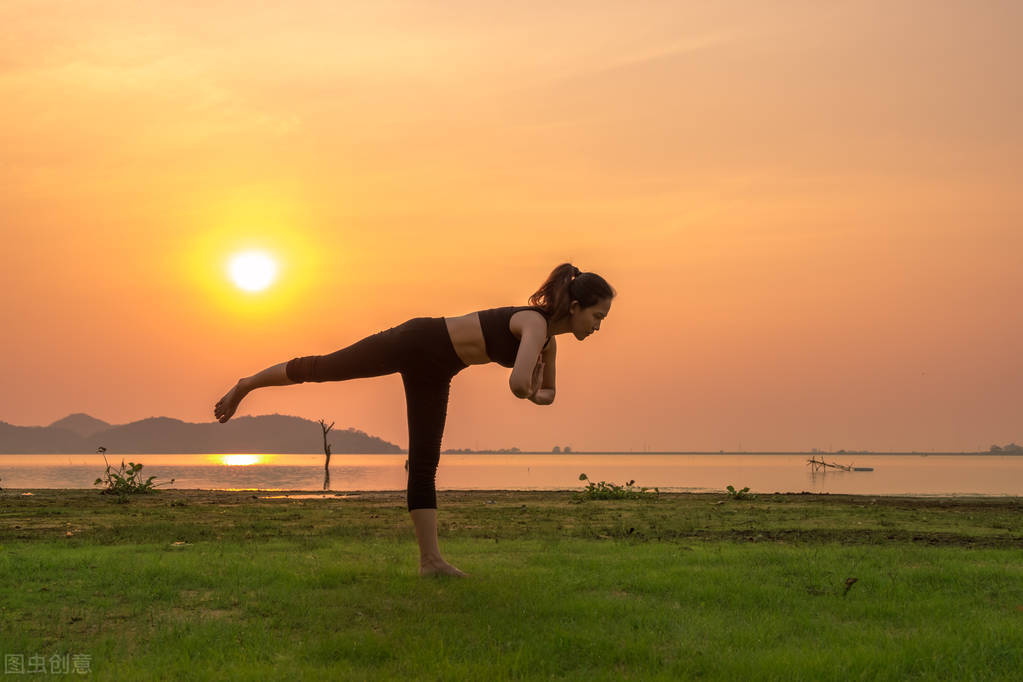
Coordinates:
[565,284]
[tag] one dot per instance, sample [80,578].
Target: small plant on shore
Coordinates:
[610,491]
[743,494]
[126,481]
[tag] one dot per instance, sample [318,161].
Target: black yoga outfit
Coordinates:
[502,345]
[421,351]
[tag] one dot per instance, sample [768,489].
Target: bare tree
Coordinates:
[326,450]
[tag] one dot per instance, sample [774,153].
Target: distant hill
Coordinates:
[275,433]
[39,439]
[81,423]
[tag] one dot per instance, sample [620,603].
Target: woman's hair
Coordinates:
[566,284]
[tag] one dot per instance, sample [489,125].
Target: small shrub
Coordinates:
[610,491]
[743,494]
[126,481]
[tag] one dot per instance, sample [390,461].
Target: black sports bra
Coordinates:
[502,346]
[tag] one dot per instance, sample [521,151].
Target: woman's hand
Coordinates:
[537,378]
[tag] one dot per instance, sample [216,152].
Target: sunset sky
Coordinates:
[811,211]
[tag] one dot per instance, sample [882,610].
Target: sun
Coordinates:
[252,270]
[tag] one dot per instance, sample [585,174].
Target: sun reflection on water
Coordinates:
[241,460]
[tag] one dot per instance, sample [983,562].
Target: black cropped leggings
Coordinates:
[421,351]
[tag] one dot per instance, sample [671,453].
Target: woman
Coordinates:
[429,351]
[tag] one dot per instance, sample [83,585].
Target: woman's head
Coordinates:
[582,297]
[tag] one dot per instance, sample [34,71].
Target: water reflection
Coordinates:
[891,475]
[241,460]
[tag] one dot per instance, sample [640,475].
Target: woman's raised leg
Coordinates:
[375,355]
[271,376]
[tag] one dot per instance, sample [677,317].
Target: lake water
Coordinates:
[892,474]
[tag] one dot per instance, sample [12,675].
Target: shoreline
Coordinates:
[297,493]
[548,452]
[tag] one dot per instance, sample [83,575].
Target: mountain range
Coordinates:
[273,433]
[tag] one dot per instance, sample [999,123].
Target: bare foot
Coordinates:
[440,568]
[229,403]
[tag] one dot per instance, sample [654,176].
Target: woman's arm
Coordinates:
[534,334]
[544,388]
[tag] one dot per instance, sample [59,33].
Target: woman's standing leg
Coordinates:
[427,403]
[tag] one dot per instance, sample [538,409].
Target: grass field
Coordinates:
[185,584]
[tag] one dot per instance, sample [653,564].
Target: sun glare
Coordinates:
[252,270]
[253,257]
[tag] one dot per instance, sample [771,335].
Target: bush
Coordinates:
[126,481]
[743,494]
[609,491]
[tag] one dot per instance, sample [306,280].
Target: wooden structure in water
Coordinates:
[821,465]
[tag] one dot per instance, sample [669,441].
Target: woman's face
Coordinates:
[585,321]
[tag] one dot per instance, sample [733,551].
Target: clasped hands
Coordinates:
[537,379]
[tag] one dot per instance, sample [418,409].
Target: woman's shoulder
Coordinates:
[512,309]
[532,307]
[520,324]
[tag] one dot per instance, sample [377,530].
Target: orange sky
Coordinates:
[811,211]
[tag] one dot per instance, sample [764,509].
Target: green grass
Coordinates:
[681,586]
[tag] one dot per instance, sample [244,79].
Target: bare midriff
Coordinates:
[467,338]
